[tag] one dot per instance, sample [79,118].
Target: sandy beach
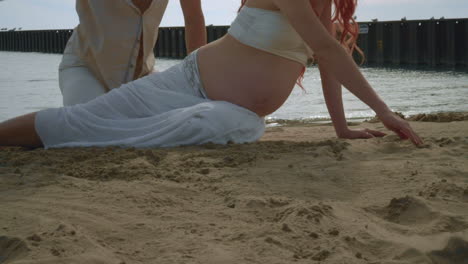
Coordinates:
[300,195]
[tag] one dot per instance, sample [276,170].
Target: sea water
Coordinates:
[29,82]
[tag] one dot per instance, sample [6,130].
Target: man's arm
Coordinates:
[195,30]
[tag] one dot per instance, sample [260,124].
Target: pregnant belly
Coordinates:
[242,75]
[259,95]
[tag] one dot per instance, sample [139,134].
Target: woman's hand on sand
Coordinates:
[363,133]
[401,127]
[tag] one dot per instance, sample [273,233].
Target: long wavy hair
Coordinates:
[347,29]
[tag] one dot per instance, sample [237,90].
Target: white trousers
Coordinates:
[77,83]
[164,109]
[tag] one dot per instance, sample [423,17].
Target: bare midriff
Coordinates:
[257,80]
[142,5]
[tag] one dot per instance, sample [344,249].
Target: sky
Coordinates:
[60,14]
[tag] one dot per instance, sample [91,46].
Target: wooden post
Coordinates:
[450,41]
[21,41]
[210,33]
[167,43]
[405,43]
[7,41]
[159,44]
[17,41]
[27,41]
[156,47]
[459,43]
[51,39]
[379,39]
[10,41]
[32,42]
[363,43]
[396,43]
[40,47]
[388,44]
[440,43]
[182,50]
[46,42]
[465,43]
[173,34]
[59,39]
[13,41]
[2,41]
[24,39]
[421,42]
[412,54]
[372,44]
[58,42]
[63,40]
[430,43]
[54,41]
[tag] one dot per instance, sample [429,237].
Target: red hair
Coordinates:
[348,28]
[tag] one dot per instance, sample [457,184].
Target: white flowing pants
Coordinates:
[163,109]
[77,83]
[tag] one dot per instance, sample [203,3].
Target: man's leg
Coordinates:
[78,85]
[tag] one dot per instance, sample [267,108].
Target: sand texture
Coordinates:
[299,196]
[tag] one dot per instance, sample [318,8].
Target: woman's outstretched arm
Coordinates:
[20,131]
[195,30]
[336,61]
[332,93]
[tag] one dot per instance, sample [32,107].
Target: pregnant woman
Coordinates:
[113,44]
[220,92]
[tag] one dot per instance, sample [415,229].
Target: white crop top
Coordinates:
[269,31]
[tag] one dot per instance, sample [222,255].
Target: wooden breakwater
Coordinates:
[437,42]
